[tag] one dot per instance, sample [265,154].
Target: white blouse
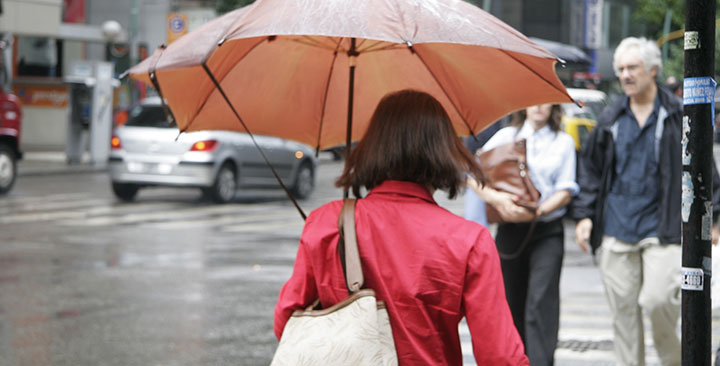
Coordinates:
[550,158]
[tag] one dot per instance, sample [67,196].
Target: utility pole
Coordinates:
[697,180]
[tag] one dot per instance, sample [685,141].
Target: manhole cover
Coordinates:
[582,346]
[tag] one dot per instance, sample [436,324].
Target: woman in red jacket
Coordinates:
[431,267]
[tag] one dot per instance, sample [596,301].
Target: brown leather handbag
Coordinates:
[505,169]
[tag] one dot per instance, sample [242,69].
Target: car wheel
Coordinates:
[8,168]
[303,182]
[225,186]
[125,191]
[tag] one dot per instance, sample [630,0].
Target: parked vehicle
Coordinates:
[10,122]
[580,121]
[148,151]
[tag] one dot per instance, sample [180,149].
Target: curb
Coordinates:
[40,163]
[34,172]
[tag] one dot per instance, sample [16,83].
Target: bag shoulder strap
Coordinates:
[523,245]
[348,247]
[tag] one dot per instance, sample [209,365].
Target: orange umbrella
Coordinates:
[306,69]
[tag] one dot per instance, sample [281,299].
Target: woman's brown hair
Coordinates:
[410,138]
[554,121]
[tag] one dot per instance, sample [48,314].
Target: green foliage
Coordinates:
[225,6]
[652,13]
[675,63]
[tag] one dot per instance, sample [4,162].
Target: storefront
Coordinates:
[46,38]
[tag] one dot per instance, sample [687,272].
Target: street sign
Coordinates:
[593,24]
[177,26]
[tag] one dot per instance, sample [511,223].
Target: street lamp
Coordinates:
[111,30]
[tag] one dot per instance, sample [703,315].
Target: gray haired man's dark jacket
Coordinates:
[596,167]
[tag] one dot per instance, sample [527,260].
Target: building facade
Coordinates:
[595,26]
[46,37]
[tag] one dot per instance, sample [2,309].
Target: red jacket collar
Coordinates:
[402,188]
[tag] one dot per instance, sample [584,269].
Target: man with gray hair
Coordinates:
[628,209]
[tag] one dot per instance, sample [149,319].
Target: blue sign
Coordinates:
[699,90]
[177,24]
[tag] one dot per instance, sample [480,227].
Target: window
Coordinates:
[38,56]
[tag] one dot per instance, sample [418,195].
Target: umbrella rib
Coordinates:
[327,90]
[204,102]
[311,42]
[538,75]
[414,51]
[153,79]
[252,137]
[391,46]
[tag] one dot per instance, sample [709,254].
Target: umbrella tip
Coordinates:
[410,46]
[221,42]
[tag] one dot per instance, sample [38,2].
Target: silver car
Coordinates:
[147,151]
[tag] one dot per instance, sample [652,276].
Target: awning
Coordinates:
[566,52]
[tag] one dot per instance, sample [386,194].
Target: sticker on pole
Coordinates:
[692,279]
[692,40]
[699,90]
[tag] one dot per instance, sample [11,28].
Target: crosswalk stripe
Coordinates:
[82,210]
[232,223]
[42,216]
[52,205]
[18,201]
[259,227]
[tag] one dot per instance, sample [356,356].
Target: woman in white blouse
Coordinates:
[532,276]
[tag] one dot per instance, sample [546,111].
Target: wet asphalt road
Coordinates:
[172,279]
[168,280]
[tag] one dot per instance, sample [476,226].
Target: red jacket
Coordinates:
[430,266]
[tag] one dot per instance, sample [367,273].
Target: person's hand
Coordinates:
[508,210]
[541,211]
[582,234]
[715,234]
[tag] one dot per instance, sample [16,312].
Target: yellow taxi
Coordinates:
[579,121]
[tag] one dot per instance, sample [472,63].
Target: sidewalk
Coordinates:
[36,163]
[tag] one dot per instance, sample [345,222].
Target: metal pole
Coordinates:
[352,59]
[666,31]
[487,4]
[352,55]
[698,96]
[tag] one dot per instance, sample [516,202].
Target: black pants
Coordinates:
[532,285]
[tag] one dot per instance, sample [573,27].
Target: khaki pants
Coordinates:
[644,275]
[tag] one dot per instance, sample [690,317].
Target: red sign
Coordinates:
[579,75]
[53,96]
[74,11]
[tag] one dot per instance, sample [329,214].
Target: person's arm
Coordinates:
[495,339]
[583,228]
[589,178]
[297,293]
[565,181]
[557,200]
[502,201]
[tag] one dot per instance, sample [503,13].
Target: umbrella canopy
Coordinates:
[293,68]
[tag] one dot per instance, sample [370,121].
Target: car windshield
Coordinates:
[149,116]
